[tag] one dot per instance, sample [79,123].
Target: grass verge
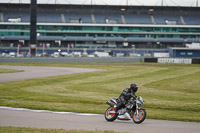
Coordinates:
[39,130]
[171,92]
[9,70]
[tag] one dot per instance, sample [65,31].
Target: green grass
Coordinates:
[9,70]
[39,130]
[170,91]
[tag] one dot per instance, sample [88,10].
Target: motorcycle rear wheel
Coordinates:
[140,117]
[110,116]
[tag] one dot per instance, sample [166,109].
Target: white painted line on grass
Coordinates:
[48,111]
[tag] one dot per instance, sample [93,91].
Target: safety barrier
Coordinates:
[70,60]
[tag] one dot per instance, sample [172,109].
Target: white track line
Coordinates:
[47,111]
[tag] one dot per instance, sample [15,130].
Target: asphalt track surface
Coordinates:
[31,72]
[69,121]
[19,118]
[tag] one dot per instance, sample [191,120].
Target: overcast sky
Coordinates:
[114,2]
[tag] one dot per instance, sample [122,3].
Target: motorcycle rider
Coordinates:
[126,95]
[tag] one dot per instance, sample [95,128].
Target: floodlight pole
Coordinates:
[33,27]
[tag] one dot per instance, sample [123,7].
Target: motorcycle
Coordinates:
[131,110]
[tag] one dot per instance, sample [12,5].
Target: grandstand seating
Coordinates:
[79,38]
[196,40]
[39,37]
[110,17]
[17,37]
[140,39]
[164,18]
[112,26]
[138,19]
[49,38]
[192,19]
[24,16]
[52,17]
[170,39]
[110,38]
[78,17]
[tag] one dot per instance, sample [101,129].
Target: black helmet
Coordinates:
[134,87]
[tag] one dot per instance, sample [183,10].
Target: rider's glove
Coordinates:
[133,95]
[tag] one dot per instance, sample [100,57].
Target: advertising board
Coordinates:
[175,60]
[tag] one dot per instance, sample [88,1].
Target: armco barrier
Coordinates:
[70,60]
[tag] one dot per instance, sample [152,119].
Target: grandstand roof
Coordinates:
[114,2]
[80,6]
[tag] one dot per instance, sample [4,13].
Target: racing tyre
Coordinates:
[140,117]
[110,114]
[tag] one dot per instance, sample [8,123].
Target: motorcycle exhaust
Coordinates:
[109,103]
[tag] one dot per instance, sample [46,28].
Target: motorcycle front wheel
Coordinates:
[140,117]
[110,115]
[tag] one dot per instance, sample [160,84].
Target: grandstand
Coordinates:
[100,26]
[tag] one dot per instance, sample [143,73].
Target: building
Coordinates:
[184,52]
[100,26]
